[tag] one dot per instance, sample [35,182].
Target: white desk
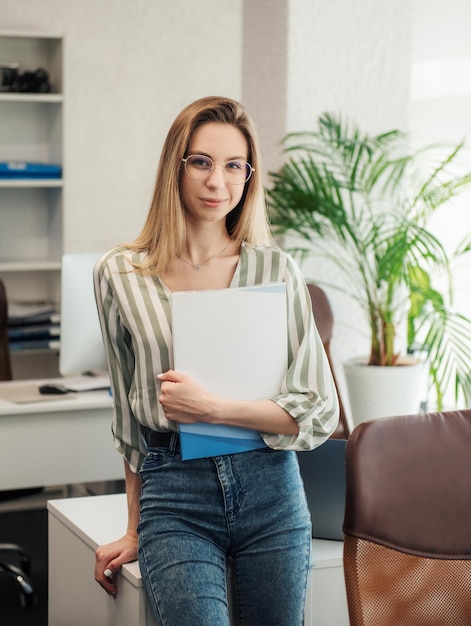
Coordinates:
[56,442]
[78,525]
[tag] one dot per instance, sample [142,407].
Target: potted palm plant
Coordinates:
[363,202]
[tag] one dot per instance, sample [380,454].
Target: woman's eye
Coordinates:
[235,165]
[200,162]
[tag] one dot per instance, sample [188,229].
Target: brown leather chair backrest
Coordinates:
[5,361]
[324,319]
[407,549]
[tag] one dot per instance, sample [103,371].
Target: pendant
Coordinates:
[196,267]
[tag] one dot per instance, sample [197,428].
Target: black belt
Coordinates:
[161,440]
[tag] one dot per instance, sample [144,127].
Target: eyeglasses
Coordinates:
[236,171]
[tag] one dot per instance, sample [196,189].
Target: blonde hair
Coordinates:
[164,232]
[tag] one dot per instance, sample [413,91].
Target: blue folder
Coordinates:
[198,440]
[24,170]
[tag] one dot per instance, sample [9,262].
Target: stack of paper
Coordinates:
[234,343]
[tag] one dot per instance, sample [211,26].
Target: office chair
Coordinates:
[324,319]
[14,562]
[407,526]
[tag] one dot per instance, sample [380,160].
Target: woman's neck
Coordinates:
[203,243]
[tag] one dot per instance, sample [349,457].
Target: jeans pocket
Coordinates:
[155,458]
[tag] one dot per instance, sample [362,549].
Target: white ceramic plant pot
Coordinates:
[376,392]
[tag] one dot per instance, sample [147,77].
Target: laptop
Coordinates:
[323,473]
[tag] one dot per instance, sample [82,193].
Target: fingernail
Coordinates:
[108,573]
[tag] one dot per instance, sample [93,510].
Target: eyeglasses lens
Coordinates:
[199,167]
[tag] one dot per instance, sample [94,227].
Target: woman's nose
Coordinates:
[217,178]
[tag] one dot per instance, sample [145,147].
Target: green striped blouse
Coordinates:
[134,311]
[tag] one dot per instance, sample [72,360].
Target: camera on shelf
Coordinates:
[12,80]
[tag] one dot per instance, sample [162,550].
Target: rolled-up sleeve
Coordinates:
[308,392]
[127,431]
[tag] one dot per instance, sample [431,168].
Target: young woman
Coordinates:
[207,229]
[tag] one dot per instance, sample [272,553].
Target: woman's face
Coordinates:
[212,197]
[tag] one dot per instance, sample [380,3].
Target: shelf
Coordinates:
[54,98]
[31,209]
[29,34]
[34,351]
[31,182]
[30,266]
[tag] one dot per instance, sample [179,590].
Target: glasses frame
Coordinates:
[250,169]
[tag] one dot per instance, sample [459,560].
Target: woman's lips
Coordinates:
[213,202]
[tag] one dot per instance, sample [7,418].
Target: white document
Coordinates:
[234,343]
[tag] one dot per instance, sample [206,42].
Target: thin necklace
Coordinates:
[196,266]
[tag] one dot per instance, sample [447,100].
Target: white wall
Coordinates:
[130,66]
[441,112]
[441,94]
[351,57]
[303,57]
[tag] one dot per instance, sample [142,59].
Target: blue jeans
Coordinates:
[196,514]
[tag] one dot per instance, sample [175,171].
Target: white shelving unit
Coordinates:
[31,130]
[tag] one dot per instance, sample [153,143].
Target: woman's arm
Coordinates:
[110,301]
[184,401]
[110,557]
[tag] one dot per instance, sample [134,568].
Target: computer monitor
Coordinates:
[81,346]
[323,473]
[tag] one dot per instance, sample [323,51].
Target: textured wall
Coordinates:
[302,57]
[265,72]
[352,57]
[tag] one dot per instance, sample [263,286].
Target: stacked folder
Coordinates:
[33,326]
[27,170]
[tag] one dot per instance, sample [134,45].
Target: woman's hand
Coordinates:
[186,402]
[110,557]
[183,400]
